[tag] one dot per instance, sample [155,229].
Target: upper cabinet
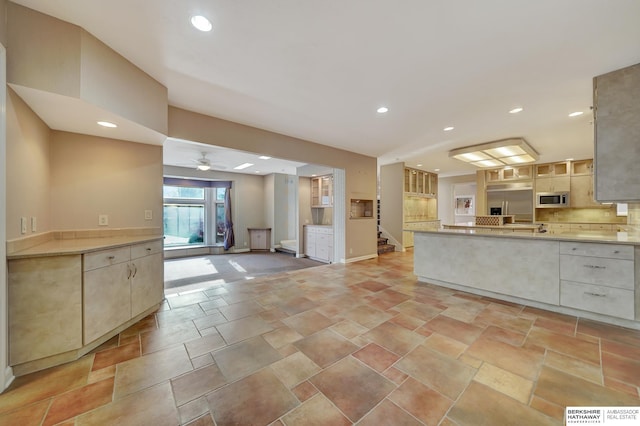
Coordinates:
[617,135]
[553,177]
[322,191]
[420,183]
[508,174]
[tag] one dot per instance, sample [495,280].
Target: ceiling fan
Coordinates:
[204,164]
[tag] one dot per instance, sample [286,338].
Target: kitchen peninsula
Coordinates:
[588,274]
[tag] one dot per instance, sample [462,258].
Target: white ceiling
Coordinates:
[318,70]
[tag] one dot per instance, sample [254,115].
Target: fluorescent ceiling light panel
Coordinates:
[497,153]
[243,166]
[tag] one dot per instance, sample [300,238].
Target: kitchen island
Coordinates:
[586,274]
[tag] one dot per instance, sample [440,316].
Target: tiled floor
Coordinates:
[336,345]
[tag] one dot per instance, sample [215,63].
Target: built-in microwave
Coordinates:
[552,199]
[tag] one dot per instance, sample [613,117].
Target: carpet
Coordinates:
[228,268]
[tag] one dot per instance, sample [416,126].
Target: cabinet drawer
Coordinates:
[613,251]
[146,249]
[600,299]
[597,270]
[100,259]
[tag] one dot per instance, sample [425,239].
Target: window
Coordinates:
[189,214]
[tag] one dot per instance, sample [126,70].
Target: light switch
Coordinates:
[33,224]
[103,220]
[23,225]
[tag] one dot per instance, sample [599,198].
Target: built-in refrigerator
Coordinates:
[511,200]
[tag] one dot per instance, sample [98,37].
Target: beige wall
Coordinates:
[55,56]
[28,171]
[92,176]
[360,170]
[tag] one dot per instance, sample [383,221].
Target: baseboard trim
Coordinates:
[359,258]
[8,378]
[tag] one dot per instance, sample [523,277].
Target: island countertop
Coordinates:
[632,238]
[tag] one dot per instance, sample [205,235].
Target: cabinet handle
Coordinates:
[111,257]
[148,248]
[128,271]
[135,270]
[595,267]
[574,249]
[588,293]
[616,251]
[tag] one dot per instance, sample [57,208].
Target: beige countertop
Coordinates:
[63,247]
[632,238]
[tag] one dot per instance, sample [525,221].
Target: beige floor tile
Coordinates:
[325,347]
[281,337]
[242,329]
[480,405]
[258,399]
[244,358]
[352,387]
[175,333]
[445,345]
[395,338]
[45,384]
[367,316]
[197,383]
[422,402]
[317,411]
[567,390]
[440,372]
[294,369]
[388,414]
[152,406]
[308,322]
[505,382]
[148,370]
[574,366]
[521,361]
[568,345]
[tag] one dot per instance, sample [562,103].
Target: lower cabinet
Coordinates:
[598,278]
[45,307]
[60,306]
[123,284]
[318,243]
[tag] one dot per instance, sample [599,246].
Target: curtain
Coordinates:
[229,239]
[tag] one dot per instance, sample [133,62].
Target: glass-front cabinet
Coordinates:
[420,183]
[322,191]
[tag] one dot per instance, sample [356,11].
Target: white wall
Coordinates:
[446,195]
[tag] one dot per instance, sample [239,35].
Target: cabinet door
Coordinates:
[322,246]
[582,192]
[310,242]
[553,184]
[45,307]
[617,132]
[147,283]
[107,300]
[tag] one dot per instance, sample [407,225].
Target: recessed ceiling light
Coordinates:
[575,114]
[436,170]
[516,110]
[419,165]
[264,157]
[382,110]
[201,23]
[243,166]
[568,159]
[107,124]
[203,167]
[448,129]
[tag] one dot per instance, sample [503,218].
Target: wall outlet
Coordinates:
[148,215]
[23,225]
[103,220]
[33,224]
